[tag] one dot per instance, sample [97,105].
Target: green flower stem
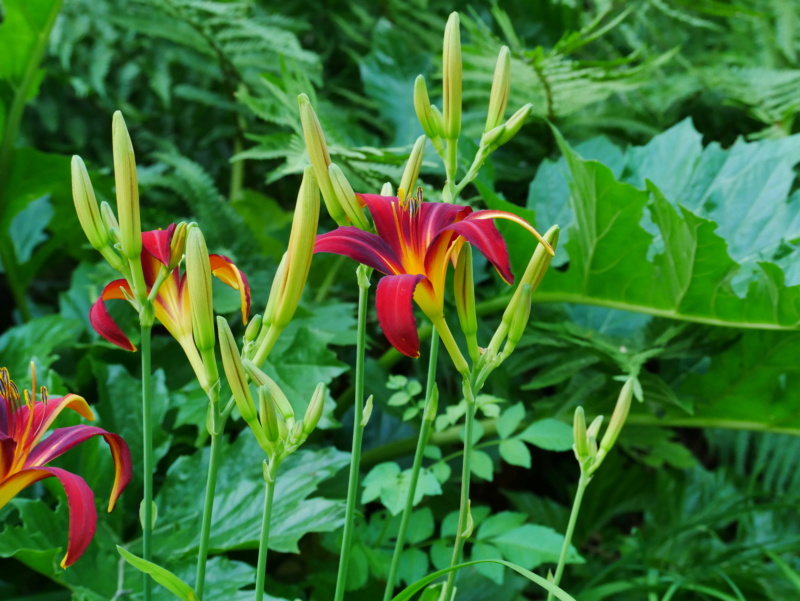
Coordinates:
[358,434]
[147,444]
[463,510]
[269,490]
[449,193]
[573,517]
[208,510]
[422,442]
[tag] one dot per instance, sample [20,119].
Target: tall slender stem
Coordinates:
[147,444]
[573,517]
[266,518]
[463,510]
[208,510]
[358,434]
[422,442]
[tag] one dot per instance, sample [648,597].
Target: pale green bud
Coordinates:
[314,410]
[618,417]
[264,381]
[110,221]
[438,121]
[579,435]
[301,249]
[432,405]
[177,247]
[413,166]
[367,411]
[451,78]
[275,292]
[490,138]
[514,124]
[422,106]
[198,279]
[347,198]
[519,317]
[320,159]
[86,206]
[127,186]
[253,328]
[501,87]
[387,190]
[268,415]
[464,285]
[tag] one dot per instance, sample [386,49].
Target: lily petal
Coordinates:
[436,216]
[483,235]
[44,415]
[63,439]
[492,214]
[362,246]
[101,320]
[158,243]
[82,514]
[225,270]
[391,222]
[393,300]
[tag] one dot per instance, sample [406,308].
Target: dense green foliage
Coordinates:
[661,141]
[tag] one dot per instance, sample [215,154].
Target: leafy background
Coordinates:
[662,141]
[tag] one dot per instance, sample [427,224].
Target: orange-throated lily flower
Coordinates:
[24,455]
[172,306]
[414,242]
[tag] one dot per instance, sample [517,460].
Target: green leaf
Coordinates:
[161,575]
[492,571]
[481,465]
[27,228]
[386,482]
[515,452]
[441,553]
[240,486]
[500,523]
[413,565]
[510,420]
[420,526]
[548,434]
[25,21]
[532,545]
[37,341]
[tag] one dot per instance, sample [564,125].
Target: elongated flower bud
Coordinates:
[347,198]
[253,328]
[86,206]
[451,77]
[593,431]
[618,417]
[110,220]
[514,124]
[501,87]
[268,415]
[177,246]
[275,292]
[386,189]
[519,317]
[464,286]
[198,277]
[314,410]
[422,106]
[301,249]
[413,166]
[127,185]
[320,159]
[263,380]
[581,441]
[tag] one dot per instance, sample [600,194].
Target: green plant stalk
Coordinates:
[358,434]
[208,511]
[422,442]
[451,167]
[463,510]
[266,519]
[583,482]
[147,462]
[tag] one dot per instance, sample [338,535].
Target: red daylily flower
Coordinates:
[172,307]
[412,247]
[24,455]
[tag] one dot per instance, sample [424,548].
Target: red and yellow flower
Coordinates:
[172,302]
[24,455]
[412,247]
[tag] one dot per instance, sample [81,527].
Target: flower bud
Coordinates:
[414,164]
[86,206]
[490,138]
[618,417]
[347,198]
[581,446]
[438,123]
[451,78]
[314,410]
[386,189]
[275,292]
[431,405]
[177,246]
[268,415]
[127,186]
[519,317]
[253,328]
[514,123]
[320,159]
[198,277]
[301,250]
[501,86]
[110,221]
[593,430]
[263,380]
[464,286]
[422,106]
